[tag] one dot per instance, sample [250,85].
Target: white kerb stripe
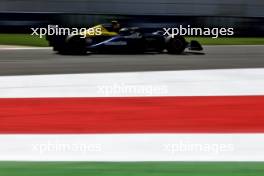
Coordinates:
[160,83]
[133,147]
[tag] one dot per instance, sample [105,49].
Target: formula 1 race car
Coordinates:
[126,40]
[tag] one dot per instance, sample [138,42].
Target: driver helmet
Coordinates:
[115,26]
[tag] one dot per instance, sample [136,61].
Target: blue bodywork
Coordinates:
[131,42]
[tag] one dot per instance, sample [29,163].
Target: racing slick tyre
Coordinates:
[175,45]
[74,45]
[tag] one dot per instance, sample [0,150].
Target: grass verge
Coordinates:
[228,41]
[132,169]
[22,39]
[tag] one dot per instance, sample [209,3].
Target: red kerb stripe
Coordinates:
[230,114]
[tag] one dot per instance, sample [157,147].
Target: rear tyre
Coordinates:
[176,45]
[75,45]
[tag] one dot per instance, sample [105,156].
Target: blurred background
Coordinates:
[246,16]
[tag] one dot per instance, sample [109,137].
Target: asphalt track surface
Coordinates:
[45,61]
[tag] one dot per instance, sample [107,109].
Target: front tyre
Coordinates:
[175,45]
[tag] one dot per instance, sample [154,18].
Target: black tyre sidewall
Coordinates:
[175,45]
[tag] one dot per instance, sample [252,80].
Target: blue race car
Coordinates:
[125,40]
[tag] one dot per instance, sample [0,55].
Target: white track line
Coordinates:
[133,147]
[167,83]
